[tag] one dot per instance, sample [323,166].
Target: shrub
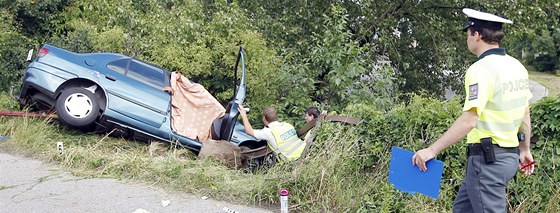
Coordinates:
[545,63]
[13,51]
[545,116]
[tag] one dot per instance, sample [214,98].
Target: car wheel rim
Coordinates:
[78,105]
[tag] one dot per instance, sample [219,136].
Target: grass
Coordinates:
[6,187]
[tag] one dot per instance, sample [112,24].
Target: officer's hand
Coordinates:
[241,110]
[525,165]
[421,157]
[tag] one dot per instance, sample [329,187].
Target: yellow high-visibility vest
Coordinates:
[288,146]
[497,85]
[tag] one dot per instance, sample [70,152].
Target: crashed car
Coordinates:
[109,89]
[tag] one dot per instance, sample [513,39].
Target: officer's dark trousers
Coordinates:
[484,187]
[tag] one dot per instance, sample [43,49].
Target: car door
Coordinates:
[135,89]
[223,128]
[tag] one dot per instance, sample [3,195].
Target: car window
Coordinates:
[146,73]
[118,66]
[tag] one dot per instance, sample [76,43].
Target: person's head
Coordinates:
[269,115]
[483,30]
[311,113]
[475,35]
[489,36]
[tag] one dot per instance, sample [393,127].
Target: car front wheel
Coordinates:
[77,107]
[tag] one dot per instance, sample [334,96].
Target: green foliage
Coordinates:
[7,103]
[545,63]
[13,52]
[337,67]
[545,116]
[320,53]
[536,34]
[545,50]
[38,18]
[411,37]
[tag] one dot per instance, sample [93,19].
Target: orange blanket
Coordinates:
[193,108]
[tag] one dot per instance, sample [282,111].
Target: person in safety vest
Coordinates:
[281,136]
[496,108]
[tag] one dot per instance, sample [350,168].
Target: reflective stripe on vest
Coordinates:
[502,127]
[287,143]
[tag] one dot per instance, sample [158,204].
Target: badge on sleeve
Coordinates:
[473,91]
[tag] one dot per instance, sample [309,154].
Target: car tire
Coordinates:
[77,107]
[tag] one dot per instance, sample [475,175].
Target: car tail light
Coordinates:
[42,52]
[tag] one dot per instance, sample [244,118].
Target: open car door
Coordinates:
[222,128]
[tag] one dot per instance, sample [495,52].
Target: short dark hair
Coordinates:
[269,114]
[489,36]
[312,111]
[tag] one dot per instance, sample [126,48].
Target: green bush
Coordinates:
[13,52]
[545,116]
[545,63]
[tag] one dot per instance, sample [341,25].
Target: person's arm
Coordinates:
[460,128]
[525,156]
[248,128]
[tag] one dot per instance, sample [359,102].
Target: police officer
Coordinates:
[496,108]
[281,136]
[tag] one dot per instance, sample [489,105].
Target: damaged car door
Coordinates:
[136,90]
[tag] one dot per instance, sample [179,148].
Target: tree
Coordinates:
[535,33]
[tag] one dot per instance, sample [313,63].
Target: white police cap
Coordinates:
[484,20]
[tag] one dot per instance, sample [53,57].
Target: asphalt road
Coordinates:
[538,90]
[28,185]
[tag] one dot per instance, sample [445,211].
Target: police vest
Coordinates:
[288,146]
[497,85]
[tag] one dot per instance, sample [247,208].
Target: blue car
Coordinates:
[108,89]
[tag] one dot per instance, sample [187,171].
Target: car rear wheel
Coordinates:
[77,107]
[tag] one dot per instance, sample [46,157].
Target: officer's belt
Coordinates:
[476,149]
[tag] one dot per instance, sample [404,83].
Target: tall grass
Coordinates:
[330,179]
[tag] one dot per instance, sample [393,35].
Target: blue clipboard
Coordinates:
[409,178]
